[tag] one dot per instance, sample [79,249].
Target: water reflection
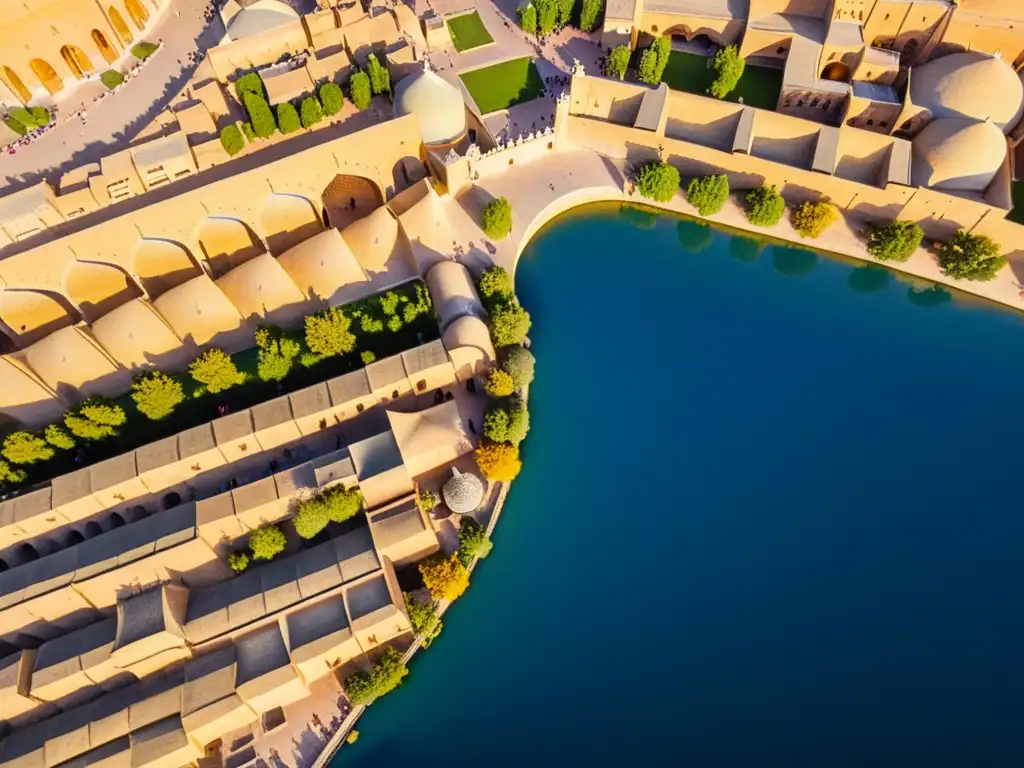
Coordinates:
[869,279]
[929,297]
[693,236]
[640,218]
[744,249]
[793,262]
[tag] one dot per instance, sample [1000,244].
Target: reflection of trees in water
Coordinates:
[793,262]
[745,249]
[868,279]
[693,236]
[641,218]
[928,297]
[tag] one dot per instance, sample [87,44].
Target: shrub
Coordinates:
[495,286]
[509,324]
[653,61]
[426,624]
[156,394]
[335,504]
[547,16]
[499,461]
[332,99]
[528,19]
[518,421]
[970,257]
[41,115]
[11,475]
[473,541]
[287,118]
[238,561]
[353,737]
[310,112]
[497,219]
[380,77]
[658,181]
[427,501]
[266,542]
[445,577]
[111,78]
[708,194]
[499,383]
[95,419]
[328,334]
[24,118]
[359,90]
[618,62]
[58,437]
[894,241]
[729,68]
[361,688]
[231,139]
[518,363]
[507,423]
[248,132]
[496,424]
[811,219]
[589,14]
[26,448]
[260,116]
[764,206]
[367,357]
[215,370]
[15,126]
[250,82]
[565,8]
[276,353]
[144,50]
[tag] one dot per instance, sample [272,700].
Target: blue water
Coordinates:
[769,516]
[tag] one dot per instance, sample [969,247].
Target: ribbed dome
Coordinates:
[958,154]
[437,104]
[258,17]
[969,84]
[463,492]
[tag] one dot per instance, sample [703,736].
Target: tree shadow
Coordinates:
[793,262]
[869,279]
[927,298]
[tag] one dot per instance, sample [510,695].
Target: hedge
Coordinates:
[231,139]
[144,50]
[260,116]
[111,78]
[287,118]
[331,98]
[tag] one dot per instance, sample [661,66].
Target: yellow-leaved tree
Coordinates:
[445,577]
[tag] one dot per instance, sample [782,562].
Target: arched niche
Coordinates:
[837,71]
[137,12]
[287,220]
[347,198]
[162,265]
[47,75]
[32,314]
[118,23]
[77,61]
[227,243]
[103,46]
[10,78]
[97,288]
[92,529]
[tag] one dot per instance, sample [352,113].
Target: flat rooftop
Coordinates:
[713,9]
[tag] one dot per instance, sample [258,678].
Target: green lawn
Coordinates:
[503,85]
[468,31]
[1017,212]
[759,86]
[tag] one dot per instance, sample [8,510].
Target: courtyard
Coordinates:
[468,32]
[758,87]
[503,85]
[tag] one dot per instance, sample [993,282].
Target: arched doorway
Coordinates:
[162,265]
[119,25]
[837,70]
[46,75]
[287,220]
[12,81]
[227,243]
[97,288]
[137,12]
[77,61]
[348,198]
[106,50]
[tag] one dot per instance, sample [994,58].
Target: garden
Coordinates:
[757,86]
[503,85]
[468,31]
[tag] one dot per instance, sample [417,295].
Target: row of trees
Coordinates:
[544,17]
[727,64]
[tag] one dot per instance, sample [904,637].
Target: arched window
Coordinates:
[47,76]
[77,61]
[137,12]
[118,23]
[12,81]
[103,45]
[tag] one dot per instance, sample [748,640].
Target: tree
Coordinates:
[26,448]
[518,362]
[248,132]
[547,16]
[507,422]
[111,78]
[260,116]
[287,118]
[473,541]
[810,219]
[359,90]
[497,219]
[618,62]
[970,257]
[729,68]
[58,437]
[367,356]
[144,50]
[276,353]
[250,82]
[658,181]
[427,501]
[334,504]
[445,577]
[708,194]
[361,688]
[495,286]
[95,419]
[589,14]
[518,421]
[426,624]
[509,324]
[238,561]
[156,394]
[266,542]
[565,9]
[10,475]
[496,424]
[765,206]
[499,383]
[231,139]
[895,240]
[380,77]
[328,334]
[310,112]
[216,371]
[528,19]
[654,60]
[499,461]
[332,98]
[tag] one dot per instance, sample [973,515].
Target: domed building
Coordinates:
[463,492]
[957,155]
[969,85]
[247,18]
[437,103]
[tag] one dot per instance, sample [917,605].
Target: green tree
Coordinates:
[156,394]
[445,576]
[332,98]
[260,116]
[764,206]
[654,60]
[618,62]
[216,371]
[565,9]
[426,624]
[276,353]
[361,688]
[367,357]
[288,118]
[518,362]
[708,194]
[507,421]
[509,324]
[111,78]
[231,139]
[495,286]
[248,132]
[328,334]
[144,50]
[971,257]
[499,384]
[427,501]
[658,181]
[359,90]
[26,448]
[380,77]
[895,240]
[250,82]
[810,219]
[310,112]
[58,437]
[496,424]
[334,504]
[497,219]
[238,561]
[528,19]
[547,16]
[267,542]
[95,419]
[729,69]
[473,541]
[11,475]
[498,461]
[589,14]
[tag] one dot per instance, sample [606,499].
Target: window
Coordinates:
[359,408]
[871,122]
[883,124]
[780,50]
[394,394]
[421,385]
[654,28]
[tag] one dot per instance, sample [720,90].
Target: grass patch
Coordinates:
[468,32]
[758,87]
[503,85]
[1016,213]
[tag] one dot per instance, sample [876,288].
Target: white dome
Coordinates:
[463,492]
[970,84]
[437,103]
[957,154]
[259,17]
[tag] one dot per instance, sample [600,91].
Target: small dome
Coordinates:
[437,103]
[971,84]
[957,155]
[258,17]
[463,492]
